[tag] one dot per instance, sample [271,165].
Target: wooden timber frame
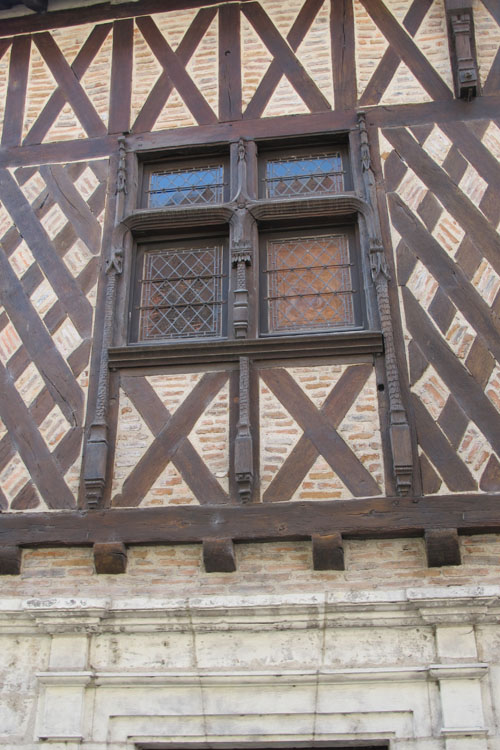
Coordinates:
[439,519]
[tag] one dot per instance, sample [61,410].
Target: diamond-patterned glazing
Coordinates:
[177,187]
[309,283]
[182,293]
[303,175]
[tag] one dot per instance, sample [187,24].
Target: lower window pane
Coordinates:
[309,283]
[181,293]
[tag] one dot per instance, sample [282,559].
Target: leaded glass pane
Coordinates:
[182,293]
[178,187]
[303,175]
[309,283]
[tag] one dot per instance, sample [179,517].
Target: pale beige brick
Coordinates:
[473,185]
[29,383]
[67,338]
[437,145]
[422,284]
[9,342]
[43,298]
[487,34]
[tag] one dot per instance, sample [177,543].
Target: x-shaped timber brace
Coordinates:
[220,524]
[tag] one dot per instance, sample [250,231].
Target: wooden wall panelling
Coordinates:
[286,62]
[390,61]
[457,311]
[171,441]
[272,76]
[407,51]
[46,288]
[57,99]
[163,87]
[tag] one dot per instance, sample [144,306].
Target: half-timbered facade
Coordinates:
[250,374]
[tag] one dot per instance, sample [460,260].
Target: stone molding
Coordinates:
[372,608]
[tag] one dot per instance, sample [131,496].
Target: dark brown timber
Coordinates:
[110,557]
[382,517]
[10,560]
[442,547]
[328,552]
[218,556]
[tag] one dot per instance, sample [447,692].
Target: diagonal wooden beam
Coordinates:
[273,74]
[447,272]
[407,50]
[283,54]
[470,218]
[440,452]
[188,462]
[69,293]
[320,432]
[54,370]
[16,91]
[176,72]
[161,451]
[57,99]
[74,207]
[466,391]
[303,455]
[389,63]
[32,448]
[164,86]
[69,84]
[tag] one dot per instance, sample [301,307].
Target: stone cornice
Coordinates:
[340,609]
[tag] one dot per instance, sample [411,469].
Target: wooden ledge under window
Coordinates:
[209,352]
[146,220]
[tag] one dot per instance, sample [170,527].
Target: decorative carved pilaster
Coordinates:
[402,454]
[243,452]
[462,48]
[241,245]
[96,452]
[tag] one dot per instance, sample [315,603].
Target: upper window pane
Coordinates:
[185,186]
[304,175]
[309,283]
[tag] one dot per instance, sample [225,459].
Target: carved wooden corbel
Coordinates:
[96,452]
[402,454]
[243,450]
[462,48]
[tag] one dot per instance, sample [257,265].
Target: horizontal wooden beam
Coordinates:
[360,518]
[397,115]
[214,352]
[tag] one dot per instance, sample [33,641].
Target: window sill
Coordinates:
[209,352]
